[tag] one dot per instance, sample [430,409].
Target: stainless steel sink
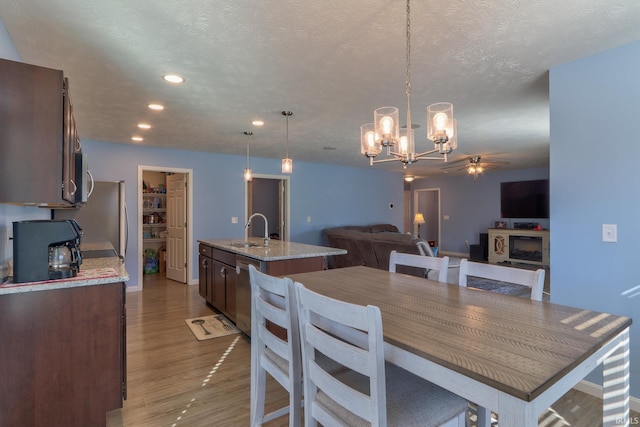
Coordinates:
[246,245]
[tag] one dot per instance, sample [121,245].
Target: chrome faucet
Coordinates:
[266,226]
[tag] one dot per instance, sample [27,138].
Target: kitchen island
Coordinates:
[224,270]
[63,347]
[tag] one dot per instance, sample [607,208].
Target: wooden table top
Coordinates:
[512,344]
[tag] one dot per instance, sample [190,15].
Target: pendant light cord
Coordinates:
[408,77]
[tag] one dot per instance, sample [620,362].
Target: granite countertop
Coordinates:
[276,250]
[94,271]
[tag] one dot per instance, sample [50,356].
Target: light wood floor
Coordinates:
[176,380]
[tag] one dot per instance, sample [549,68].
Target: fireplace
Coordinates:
[525,248]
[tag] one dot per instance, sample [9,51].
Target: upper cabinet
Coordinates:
[39,144]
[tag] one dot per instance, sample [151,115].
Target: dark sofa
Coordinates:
[368,245]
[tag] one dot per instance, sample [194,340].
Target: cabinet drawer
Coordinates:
[223,256]
[205,250]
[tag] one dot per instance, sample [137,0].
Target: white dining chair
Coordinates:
[533,279]
[429,263]
[367,391]
[273,300]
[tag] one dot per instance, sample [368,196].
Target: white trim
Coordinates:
[595,390]
[287,201]
[189,258]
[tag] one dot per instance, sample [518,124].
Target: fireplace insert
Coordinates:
[525,248]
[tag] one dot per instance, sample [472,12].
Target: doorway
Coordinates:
[165,236]
[427,202]
[268,195]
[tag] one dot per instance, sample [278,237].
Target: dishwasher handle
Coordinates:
[244,265]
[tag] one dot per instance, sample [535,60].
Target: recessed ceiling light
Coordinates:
[144,126]
[137,138]
[173,78]
[257,123]
[157,107]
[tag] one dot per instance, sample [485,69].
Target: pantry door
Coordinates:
[177,227]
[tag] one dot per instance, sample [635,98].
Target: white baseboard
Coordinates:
[596,391]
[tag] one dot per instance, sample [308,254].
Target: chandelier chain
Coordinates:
[408,81]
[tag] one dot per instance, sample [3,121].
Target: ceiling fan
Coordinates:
[475,165]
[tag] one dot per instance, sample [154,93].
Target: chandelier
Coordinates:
[385,131]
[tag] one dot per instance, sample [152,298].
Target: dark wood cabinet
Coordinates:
[217,279]
[38,136]
[63,356]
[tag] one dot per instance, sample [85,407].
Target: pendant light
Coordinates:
[287,163]
[248,175]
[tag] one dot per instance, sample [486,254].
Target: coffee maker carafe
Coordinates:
[46,250]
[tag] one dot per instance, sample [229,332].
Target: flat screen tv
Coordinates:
[524,199]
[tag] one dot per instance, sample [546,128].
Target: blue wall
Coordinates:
[330,195]
[595,147]
[473,206]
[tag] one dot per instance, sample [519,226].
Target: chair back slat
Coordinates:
[427,262]
[533,279]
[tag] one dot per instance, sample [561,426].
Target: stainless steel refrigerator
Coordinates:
[103,218]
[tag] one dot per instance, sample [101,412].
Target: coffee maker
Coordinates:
[46,250]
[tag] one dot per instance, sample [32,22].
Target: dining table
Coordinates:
[510,355]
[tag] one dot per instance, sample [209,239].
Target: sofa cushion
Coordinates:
[378,228]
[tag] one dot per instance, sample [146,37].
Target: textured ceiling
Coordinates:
[330,62]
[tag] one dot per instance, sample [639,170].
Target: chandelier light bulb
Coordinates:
[387,125]
[440,121]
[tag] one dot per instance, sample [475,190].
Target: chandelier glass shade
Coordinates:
[386,133]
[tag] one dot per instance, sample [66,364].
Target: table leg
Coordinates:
[615,402]
[484,417]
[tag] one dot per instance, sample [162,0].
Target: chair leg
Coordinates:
[295,406]
[258,387]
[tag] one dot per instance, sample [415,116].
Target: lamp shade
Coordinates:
[418,218]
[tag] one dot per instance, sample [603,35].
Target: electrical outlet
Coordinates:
[234,220]
[610,233]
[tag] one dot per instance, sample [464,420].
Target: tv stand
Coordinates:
[519,246]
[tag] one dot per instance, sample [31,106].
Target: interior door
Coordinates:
[177,227]
[427,202]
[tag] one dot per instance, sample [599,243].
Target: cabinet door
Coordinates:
[203,276]
[219,273]
[230,293]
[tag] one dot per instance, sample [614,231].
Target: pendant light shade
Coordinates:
[287,163]
[248,175]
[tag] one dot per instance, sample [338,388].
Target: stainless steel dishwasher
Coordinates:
[243,292]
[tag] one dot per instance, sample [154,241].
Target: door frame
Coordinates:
[287,202]
[189,243]
[416,203]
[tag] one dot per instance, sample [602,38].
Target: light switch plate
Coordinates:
[610,233]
